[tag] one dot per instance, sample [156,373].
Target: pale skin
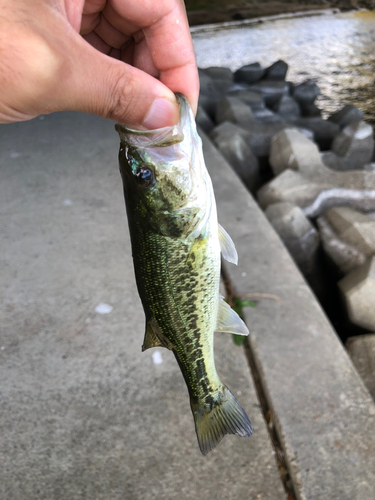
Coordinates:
[119,59]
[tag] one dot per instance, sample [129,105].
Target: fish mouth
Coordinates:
[160,137]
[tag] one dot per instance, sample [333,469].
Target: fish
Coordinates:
[176,245]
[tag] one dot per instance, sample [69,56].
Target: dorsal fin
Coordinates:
[227,247]
[228,320]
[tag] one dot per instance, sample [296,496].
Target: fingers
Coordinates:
[99,84]
[168,41]
[49,67]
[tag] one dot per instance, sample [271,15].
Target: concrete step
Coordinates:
[84,414]
[324,416]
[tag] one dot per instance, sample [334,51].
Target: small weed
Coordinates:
[237,305]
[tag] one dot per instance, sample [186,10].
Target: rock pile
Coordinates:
[314,177]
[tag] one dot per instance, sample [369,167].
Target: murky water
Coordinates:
[337,51]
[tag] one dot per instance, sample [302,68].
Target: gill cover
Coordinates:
[164,173]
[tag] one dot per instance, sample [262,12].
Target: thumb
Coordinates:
[110,88]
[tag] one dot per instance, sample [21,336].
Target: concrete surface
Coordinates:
[83,413]
[324,415]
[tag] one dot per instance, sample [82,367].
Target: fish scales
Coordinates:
[176,244]
[171,272]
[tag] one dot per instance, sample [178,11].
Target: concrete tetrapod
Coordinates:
[361,349]
[358,290]
[348,114]
[292,149]
[298,234]
[314,187]
[233,110]
[355,144]
[348,237]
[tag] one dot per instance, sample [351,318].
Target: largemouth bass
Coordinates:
[176,244]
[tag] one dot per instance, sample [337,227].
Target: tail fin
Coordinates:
[225,416]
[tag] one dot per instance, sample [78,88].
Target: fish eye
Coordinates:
[145,176]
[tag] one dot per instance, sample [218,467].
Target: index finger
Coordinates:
[166,30]
[173,54]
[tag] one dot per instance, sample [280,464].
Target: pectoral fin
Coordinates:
[227,247]
[229,321]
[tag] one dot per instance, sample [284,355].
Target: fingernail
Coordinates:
[162,113]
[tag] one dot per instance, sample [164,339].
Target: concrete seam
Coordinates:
[288,479]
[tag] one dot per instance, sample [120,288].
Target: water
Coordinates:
[337,51]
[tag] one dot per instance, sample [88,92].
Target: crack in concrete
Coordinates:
[268,413]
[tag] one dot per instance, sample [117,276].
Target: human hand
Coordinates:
[131,58]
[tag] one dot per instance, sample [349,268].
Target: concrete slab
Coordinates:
[324,415]
[83,413]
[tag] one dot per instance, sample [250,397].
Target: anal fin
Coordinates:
[228,320]
[151,339]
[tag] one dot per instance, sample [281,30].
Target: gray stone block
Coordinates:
[219,73]
[297,233]
[233,110]
[249,97]
[225,131]
[324,131]
[222,86]
[316,196]
[348,237]
[306,92]
[358,290]
[271,90]
[203,120]
[212,90]
[209,102]
[292,149]
[205,81]
[361,350]
[277,71]
[310,110]
[250,73]
[353,227]
[265,115]
[288,108]
[259,136]
[236,151]
[355,144]
[289,186]
[348,114]
[334,162]
[306,132]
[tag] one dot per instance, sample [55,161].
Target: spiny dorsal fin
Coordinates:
[228,320]
[227,247]
[151,339]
